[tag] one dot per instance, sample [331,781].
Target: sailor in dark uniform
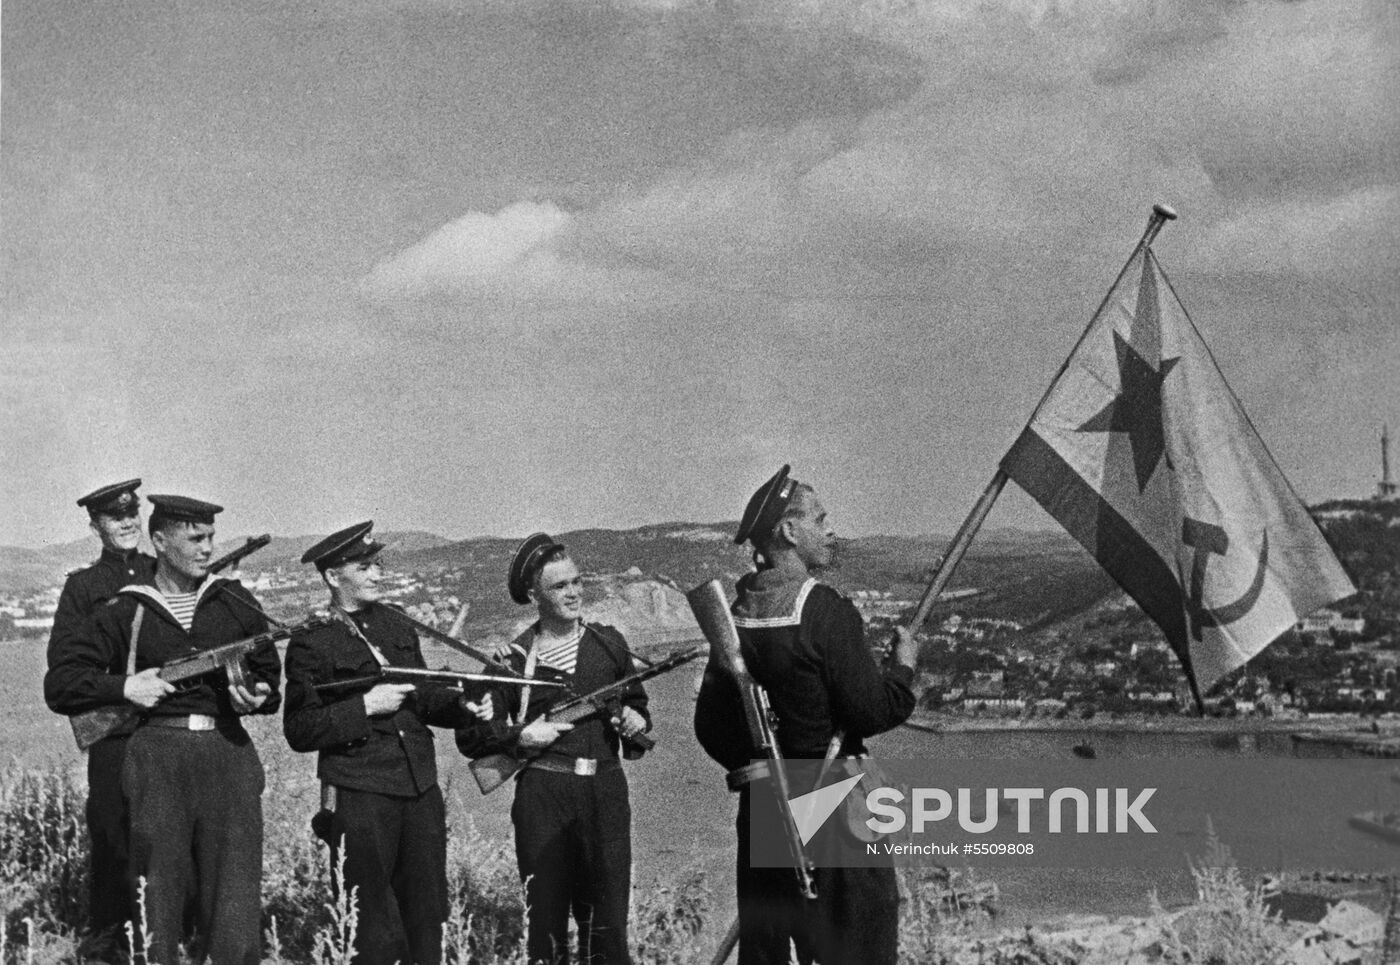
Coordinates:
[572,816]
[375,755]
[192,777]
[115,516]
[804,643]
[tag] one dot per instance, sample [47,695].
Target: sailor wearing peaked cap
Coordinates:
[182,509]
[192,775]
[114,513]
[804,643]
[342,546]
[383,807]
[572,815]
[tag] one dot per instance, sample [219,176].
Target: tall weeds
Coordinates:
[1229,925]
[43,896]
[43,855]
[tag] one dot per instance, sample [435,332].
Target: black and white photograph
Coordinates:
[675,482]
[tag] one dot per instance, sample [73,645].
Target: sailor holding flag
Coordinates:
[804,644]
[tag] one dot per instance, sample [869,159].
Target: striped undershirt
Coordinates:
[562,656]
[182,606]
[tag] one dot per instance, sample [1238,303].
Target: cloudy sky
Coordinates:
[480,267]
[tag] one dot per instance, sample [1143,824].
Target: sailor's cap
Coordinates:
[342,546]
[527,563]
[118,499]
[766,507]
[184,509]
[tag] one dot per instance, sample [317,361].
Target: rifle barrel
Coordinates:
[452,642]
[603,693]
[253,544]
[410,674]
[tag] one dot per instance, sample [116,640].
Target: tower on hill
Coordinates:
[1387,490]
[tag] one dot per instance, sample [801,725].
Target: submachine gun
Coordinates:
[493,770]
[233,557]
[91,726]
[711,609]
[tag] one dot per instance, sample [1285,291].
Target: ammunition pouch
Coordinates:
[322,820]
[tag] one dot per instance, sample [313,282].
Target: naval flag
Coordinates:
[1141,451]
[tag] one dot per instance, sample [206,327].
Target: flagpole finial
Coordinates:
[1161,214]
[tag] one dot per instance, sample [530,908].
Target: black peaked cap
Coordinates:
[114,500]
[342,546]
[185,509]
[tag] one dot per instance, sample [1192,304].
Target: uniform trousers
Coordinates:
[196,837]
[396,859]
[573,843]
[110,904]
[853,921]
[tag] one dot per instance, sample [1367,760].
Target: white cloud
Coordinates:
[523,254]
[1040,129]
[475,248]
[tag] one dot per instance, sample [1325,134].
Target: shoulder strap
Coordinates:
[135,635]
[623,657]
[249,604]
[531,661]
[338,614]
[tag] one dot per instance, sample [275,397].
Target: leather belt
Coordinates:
[577,766]
[740,776]
[758,771]
[193,722]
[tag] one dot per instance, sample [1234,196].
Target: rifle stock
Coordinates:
[91,726]
[493,770]
[711,609]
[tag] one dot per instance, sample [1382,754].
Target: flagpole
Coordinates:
[1161,214]
[957,549]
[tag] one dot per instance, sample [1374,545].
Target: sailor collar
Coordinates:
[781,606]
[158,599]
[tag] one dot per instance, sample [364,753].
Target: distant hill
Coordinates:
[32,569]
[25,570]
[1366,536]
[285,551]
[1027,576]
[1038,578]
[675,554]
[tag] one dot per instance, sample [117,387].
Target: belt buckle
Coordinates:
[585,766]
[201,722]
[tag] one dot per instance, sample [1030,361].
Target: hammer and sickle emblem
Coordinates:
[1209,540]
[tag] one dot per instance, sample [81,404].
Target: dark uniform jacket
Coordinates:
[603,659]
[804,643]
[88,588]
[388,754]
[91,671]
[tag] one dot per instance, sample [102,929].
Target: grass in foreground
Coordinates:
[43,899]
